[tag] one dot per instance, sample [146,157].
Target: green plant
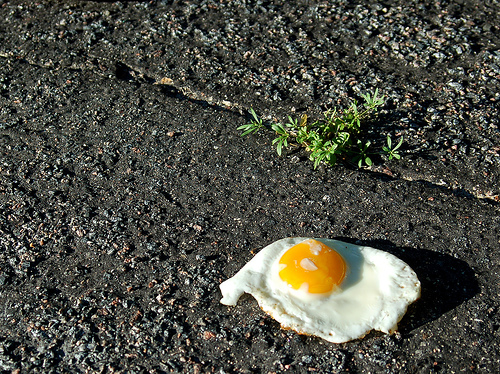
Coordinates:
[282,139]
[255,124]
[392,152]
[362,154]
[336,136]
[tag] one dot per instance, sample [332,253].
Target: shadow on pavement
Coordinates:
[459,192]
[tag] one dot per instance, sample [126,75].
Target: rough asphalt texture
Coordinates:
[127,194]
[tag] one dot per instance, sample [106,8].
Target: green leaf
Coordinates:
[254,115]
[278,127]
[291,122]
[398,145]
[366,96]
[247,132]
[282,142]
[354,107]
[249,128]
[278,149]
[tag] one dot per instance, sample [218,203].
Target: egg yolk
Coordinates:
[314,264]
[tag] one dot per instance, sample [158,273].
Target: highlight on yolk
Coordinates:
[313,263]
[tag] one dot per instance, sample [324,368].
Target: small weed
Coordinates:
[336,136]
[362,155]
[392,152]
[255,124]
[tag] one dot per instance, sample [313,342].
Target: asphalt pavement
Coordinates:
[127,194]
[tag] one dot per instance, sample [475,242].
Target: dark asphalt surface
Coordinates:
[127,195]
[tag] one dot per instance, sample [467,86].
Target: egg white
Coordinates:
[374,295]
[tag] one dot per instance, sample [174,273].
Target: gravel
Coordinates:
[127,194]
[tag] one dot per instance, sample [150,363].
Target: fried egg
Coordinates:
[327,288]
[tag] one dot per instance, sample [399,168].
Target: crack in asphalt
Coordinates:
[126,72]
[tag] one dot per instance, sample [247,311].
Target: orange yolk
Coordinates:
[313,263]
